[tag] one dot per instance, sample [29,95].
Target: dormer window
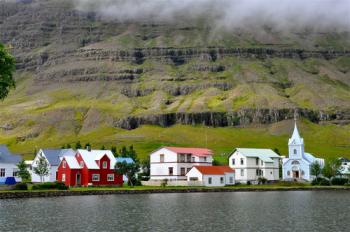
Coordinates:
[104,165]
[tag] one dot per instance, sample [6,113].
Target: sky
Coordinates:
[229,14]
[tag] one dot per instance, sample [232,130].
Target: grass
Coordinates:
[322,140]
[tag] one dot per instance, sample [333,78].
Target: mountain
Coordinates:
[82,76]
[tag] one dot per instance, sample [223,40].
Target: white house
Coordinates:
[53,157]
[345,166]
[212,176]
[297,166]
[8,164]
[173,163]
[250,164]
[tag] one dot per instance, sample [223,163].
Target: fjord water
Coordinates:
[244,211]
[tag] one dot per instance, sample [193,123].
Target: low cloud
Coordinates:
[280,15]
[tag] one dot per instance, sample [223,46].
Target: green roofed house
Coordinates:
[250,164]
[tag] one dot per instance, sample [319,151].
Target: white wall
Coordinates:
[9,168]
[51,177]
[249,168]
[160,171]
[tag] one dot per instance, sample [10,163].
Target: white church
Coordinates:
[297,166]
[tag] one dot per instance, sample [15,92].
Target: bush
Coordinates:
[248,182]
[49,185]
[262,180]
[21,186]
[325,182]
[339,181]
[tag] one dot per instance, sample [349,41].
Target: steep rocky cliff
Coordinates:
[78,72]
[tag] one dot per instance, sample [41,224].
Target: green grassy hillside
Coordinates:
[322,140]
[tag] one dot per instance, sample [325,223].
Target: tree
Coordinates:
[128,169]
[23,172]
[316,169]
[114,151]
[88,146]
[7,67]
[42,168]
[332,168]
[78,145]
[103,147]
[128,152]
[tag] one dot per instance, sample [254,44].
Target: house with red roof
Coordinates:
[173,163]
[212,176]
[89,168]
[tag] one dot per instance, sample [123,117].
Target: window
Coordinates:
[110,177]
[231,180]
[182,158]
[205,159]
[15,172]
[295,151]
[295,162]
[271,173]
[81,164]
[233,162]
[257,161]
[2,172]
[161,158]
[64,164]
[221,180]
[63,177]
[242,172]
[183,171]
[193,178]
[193,159]
[262,173]
[209,180]
[242,161]
[257,172]
[104,164]
[95,177]
[262,163]
[288,173]
[171,171]
[188,158]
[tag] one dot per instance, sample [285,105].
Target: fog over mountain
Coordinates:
[279,15]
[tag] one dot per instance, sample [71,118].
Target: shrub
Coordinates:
[21,186]
[324,182]
[339,181]
[248,182]
[262,180]
[49,185]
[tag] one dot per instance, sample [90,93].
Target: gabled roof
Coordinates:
[296,138]
[124,159]
[7,157]
[193,151]
[54,155]
[344,160]
[263,154]
[90,157]
[72,162]
[214,170]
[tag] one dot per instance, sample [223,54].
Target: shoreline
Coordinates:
[96,192]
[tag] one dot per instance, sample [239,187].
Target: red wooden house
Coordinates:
[89,168]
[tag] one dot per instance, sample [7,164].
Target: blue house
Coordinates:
[8,164]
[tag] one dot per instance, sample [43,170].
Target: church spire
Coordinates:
[296,138]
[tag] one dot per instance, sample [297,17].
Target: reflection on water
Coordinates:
[263,211]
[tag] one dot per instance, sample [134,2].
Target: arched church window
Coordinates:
[295,151]
[288,173]
[295,162]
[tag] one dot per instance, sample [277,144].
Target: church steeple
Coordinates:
[296,143]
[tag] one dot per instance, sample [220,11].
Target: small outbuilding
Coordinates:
[212,176]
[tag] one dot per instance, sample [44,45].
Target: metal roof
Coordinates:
[7,157]
[263,154]
[54,155]
[124,159]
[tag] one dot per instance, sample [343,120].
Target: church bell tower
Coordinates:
[296,144]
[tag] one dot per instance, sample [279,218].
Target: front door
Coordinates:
[296,174]
[78,181]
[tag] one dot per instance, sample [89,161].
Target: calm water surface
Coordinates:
[266,211]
